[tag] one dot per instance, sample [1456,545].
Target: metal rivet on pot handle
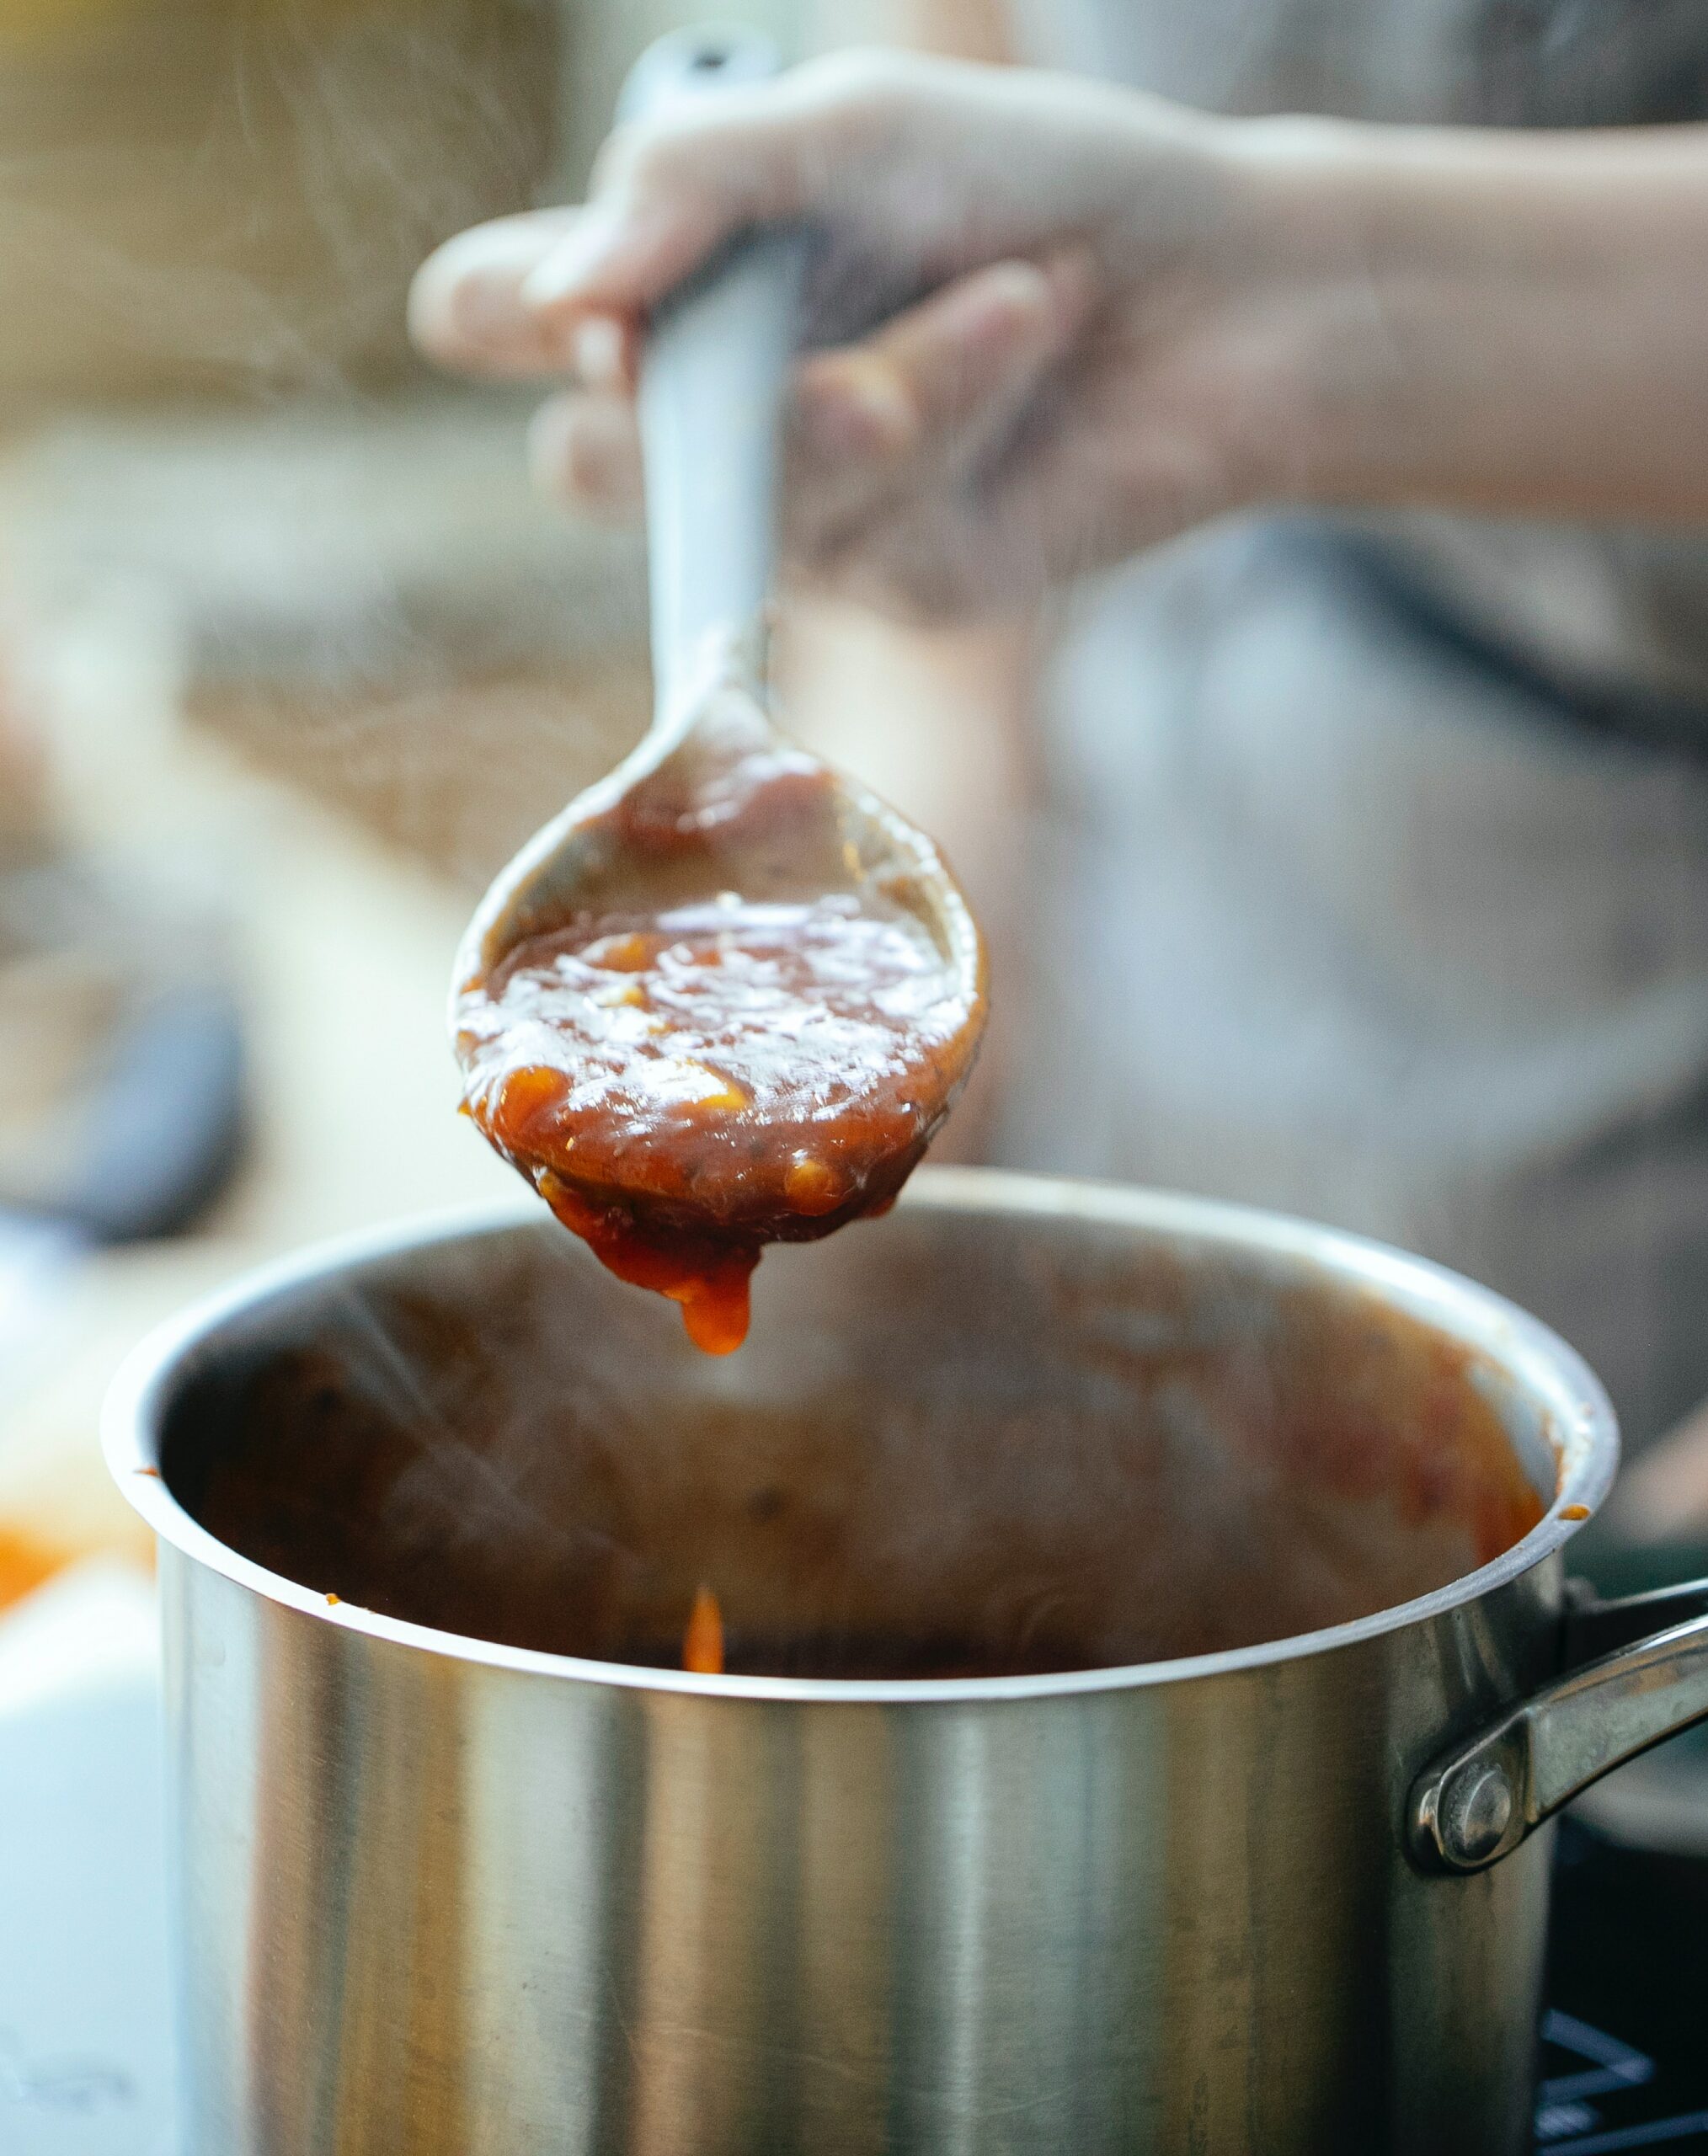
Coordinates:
[1482,1800]
[1480,1809]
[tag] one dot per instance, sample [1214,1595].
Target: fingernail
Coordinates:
[1072,272]
[864,409]
[1008,293]
[484,307]
[585,456]
[598,353]
[566,269]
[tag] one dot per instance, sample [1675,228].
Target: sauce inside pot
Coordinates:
[964,1446]
[702,1638]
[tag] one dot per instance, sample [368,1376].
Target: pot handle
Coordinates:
[1479,1801]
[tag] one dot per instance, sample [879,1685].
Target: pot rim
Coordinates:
[1581,1430]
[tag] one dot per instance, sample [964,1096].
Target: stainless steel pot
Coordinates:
[1267,1883]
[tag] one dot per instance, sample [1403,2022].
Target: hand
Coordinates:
[1023,362]
[1055,321]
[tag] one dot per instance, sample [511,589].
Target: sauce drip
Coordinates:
[683,1086]
[702,1641]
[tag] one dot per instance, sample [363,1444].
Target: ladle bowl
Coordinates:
[714,807]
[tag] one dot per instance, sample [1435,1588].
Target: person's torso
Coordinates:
[1607,612]
[1507,63]
[1377,914]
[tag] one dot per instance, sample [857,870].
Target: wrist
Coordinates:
[1422,316]
[1238,262]
[1313,306]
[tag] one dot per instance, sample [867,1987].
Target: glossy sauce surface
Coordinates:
[684,1086]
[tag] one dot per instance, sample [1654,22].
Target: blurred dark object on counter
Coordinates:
[231,194]
[121,1094]
[120,1056]
[119,1040]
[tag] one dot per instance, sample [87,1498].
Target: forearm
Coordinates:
[1508,323]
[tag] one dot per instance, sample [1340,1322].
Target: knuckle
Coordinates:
[861,96]
[638,158]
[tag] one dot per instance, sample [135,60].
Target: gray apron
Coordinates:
[1375,864]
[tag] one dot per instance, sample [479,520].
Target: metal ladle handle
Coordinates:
[713,377]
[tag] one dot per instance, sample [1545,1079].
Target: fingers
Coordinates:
[584,448]
[838,142]
[508,299]
[911,412]
[465,305]
[918,407]
[668,193]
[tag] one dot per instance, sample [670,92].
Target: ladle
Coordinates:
[716,806]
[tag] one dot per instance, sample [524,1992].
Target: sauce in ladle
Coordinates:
[686,1080]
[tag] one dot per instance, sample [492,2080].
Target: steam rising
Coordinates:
[238,199]
[942,1453]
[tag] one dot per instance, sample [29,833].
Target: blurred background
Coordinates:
[290,658]
[1365,880]
[1349,866]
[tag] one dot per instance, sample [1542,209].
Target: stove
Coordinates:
[1625,2057]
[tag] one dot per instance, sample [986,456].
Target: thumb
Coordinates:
[669,194]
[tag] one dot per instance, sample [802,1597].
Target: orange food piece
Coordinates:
[720,1093]
[811,1187]
[25,1562]
[620,954]
[1574,1512]
[530,1091]
[702,1641]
